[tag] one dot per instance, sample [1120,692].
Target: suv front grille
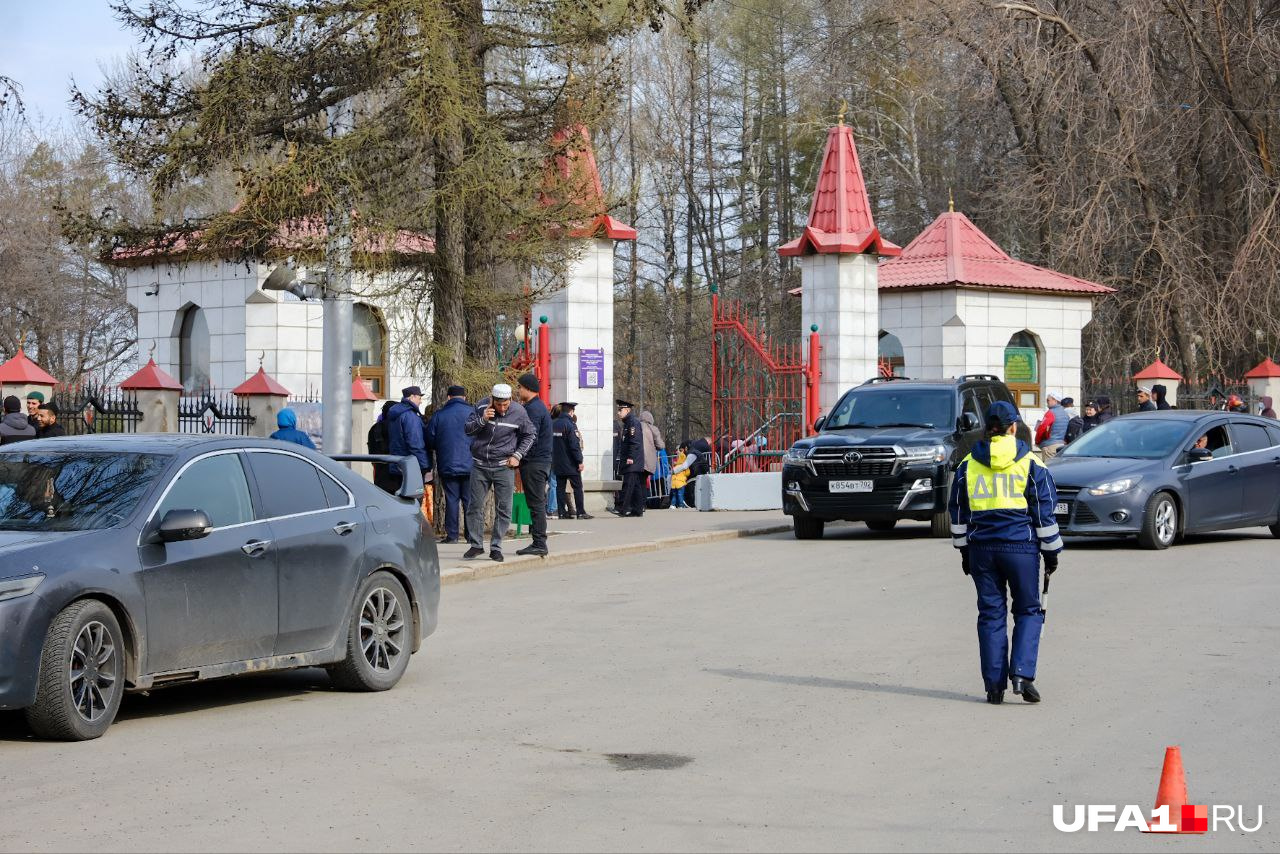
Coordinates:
[873,462]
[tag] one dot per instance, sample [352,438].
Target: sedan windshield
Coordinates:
[72,491]
[1130,438]
[907,407]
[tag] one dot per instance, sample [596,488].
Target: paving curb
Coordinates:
[485,568]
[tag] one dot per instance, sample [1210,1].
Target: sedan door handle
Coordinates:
[344,528]
[253,548]
[1233,470]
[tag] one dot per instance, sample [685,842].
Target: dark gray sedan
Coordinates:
[1161,475]
[135,562]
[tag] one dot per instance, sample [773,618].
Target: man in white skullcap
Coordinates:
[501,434]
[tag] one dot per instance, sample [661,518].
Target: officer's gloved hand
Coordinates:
[964,559]
[1050,563]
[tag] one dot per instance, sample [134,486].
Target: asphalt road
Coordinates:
[760,694]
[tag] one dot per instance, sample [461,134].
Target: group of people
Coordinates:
[637,441]
[473,450]
[40,421]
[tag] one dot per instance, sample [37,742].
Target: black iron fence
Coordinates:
[218,414]
[1209,394]
[91,408]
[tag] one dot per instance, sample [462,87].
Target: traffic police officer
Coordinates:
[631,462]
[1001,507]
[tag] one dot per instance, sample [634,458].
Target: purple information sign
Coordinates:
[590,368]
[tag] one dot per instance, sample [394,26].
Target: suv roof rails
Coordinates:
[876,380]
[980,377]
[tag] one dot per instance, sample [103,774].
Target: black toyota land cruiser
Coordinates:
[886,452]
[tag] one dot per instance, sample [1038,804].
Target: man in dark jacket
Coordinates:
[535,467]
[404,431]
[35,400]
[448,442]
[501,435]
[1160,395]
[631,460]
[567,461]
[1105,412]
[49,427]
[1145,403]
[14,426]
[379,443]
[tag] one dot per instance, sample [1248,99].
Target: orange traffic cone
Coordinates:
[1172,793]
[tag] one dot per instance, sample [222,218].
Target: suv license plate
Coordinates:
[1061,509]
[851,486]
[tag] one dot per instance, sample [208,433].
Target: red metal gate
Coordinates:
[764,395]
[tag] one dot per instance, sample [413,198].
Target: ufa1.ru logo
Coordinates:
[1194,818]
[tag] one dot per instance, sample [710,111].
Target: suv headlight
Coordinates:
[12,588]
[929,453]
[796,455]
[1114,487]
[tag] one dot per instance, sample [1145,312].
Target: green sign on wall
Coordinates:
[1020,365]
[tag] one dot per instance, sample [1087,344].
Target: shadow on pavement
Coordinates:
[847,685]
[182,699]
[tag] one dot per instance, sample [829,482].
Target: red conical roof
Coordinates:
[260,383]
[1158,370]
[360,390]
[151,378]
[20,370]
[840,219]
[574,179]
[953,251]
[1266,369]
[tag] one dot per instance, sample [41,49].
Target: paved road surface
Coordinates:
[760,694]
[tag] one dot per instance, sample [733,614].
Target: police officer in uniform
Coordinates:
[631,462]
[1001,507]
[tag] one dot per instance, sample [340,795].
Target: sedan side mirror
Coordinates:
[818,422]
[180,525]
[1199,455]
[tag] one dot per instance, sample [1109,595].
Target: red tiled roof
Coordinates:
[260,383]
[840,219]
[573,179]
[360,390]
[1264,370]
[953,251]
[151,378]
[20,370]
[1158,370]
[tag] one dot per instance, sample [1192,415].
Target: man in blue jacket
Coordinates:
[1001,507]
[287,421]
[404,431]
[449,444]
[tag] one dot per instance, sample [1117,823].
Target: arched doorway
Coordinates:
[1024,369]
[369,347]
[193,350]
[892,362]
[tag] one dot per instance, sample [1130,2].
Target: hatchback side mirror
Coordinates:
[180,525]
[818,422]
[1199,455]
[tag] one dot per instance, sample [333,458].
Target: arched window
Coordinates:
[369,347]
[1024,369]
[892,361]
[193,350]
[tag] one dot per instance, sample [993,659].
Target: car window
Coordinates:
[974,403]
[334,494]
[1131,438]
[217,486]
[73,491]
[1216,440]
[1250,437]
[888,406]
[289,485]
[1273,434]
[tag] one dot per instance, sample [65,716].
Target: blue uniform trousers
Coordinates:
[456,496]
[993,571]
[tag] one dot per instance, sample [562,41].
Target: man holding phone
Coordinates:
[501,435]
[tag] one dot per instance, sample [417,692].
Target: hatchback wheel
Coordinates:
[1159,522]
[379,639]
[81,678]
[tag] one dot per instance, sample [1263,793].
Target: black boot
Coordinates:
[1026,689]
[995,698]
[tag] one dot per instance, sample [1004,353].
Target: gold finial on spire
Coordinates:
[844,108]
[151,353]
[262,357]
[951,201]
